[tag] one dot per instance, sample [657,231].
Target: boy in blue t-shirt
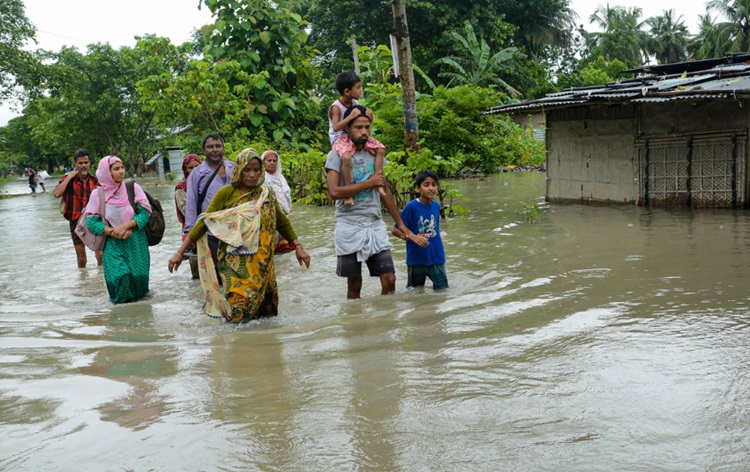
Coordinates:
[425,256]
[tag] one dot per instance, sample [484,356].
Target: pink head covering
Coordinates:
[115,194]
[187,160]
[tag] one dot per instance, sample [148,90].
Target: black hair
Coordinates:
[212,136]
[81,153]
[349,111]
[422,175]
[346,80]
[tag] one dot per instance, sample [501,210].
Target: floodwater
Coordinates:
[598,338]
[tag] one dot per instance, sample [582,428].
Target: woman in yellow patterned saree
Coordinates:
[244,216]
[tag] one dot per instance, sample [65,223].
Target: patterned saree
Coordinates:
[247,236]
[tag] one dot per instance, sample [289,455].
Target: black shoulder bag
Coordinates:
[202,193]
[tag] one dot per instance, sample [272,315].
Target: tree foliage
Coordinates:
[272,66]
[90,100]
[710,40]
[528,24]
[735,31]
[477,65]
[15,30]
[622,36]
[669,38]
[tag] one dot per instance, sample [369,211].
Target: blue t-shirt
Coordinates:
[425,220]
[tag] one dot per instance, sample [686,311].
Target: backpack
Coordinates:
[155,226]
[95,242]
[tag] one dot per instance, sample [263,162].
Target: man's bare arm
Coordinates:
[339,192]
[60,189]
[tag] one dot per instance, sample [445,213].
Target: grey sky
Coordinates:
[82,22]
[689,10]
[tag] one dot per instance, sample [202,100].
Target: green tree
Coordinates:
[17,146]
[622,37]
[15,30]
[203,98]
[527,24]
[477,66]
[269,38]
[736,30]
[710,40]
[549,32]
[601,72]
[90,100]
[669,38]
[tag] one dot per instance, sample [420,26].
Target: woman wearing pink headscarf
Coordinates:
[190,162]
[126,258]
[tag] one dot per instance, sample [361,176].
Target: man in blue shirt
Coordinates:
[203,183]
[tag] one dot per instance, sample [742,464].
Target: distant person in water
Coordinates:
[32,179]
[276,181]
[41,175]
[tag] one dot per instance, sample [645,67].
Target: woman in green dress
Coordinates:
[244,216]
[126,257]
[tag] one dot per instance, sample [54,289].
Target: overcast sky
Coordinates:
[689,10]
[82,22]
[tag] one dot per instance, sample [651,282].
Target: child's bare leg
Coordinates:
[379,158]
[346,174]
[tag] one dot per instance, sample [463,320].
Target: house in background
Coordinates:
[169,160]
[676,137]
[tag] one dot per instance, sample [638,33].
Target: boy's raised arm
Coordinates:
[338,123]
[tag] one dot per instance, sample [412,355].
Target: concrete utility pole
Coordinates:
[408,93]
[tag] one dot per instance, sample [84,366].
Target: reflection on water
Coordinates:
[600,338]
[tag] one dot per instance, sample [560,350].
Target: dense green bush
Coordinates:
[305,172]
[454,136]
[453,128]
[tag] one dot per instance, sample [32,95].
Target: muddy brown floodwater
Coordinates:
[599,338]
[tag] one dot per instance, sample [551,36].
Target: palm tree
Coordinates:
[622,37]
[555,32]
[477,67]
[711,41]
[737,28]
[669,38]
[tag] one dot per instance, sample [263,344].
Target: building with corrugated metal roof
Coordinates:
[675,135]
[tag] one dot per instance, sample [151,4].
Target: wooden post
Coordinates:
[353,39]
[408,93]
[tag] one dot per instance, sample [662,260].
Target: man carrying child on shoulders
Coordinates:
[361,234]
